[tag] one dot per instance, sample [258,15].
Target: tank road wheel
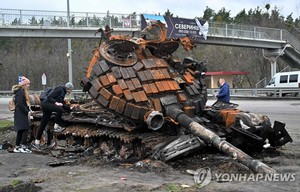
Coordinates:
[125,151]
[140,150]
[107,147]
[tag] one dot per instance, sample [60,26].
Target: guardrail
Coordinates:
[261,92]
[74,93]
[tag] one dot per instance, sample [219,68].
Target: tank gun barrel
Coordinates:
[211,138]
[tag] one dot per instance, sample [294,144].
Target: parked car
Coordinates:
[286,80]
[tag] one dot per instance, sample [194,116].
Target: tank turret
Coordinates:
[129,77]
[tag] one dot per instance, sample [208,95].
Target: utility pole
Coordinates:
[69,55]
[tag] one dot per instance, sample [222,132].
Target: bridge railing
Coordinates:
[59,19]
[243,31]
[291,39]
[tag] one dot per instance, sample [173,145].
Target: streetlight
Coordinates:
[69,47]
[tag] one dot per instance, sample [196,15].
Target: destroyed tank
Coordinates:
[146,103]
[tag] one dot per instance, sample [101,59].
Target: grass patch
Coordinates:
[173,188]
[15,183]
[6,124]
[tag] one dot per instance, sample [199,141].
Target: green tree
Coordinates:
[82,22]
[289,21]
[54,21]
[16,22]
[255,16]
[297,23]
[276,17]
[95,21]
[72,20]
[222,16]
[41,21]
[33,21]
[241,17]
[208,14]
[168,13]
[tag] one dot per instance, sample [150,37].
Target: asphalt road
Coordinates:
[4,111]
[286,111]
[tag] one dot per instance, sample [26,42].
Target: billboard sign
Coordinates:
[178,27]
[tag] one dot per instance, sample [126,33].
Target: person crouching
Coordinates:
[54,102]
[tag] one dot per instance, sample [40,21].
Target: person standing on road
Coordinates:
[54,102]
[21,118]
[224,92]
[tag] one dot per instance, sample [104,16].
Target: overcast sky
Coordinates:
[180,8]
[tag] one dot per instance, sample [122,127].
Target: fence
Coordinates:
[260,92]
[17,17]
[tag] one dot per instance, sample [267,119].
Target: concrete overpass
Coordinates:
[275,43]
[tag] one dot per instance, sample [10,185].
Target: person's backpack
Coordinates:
[12,104]
[45,93]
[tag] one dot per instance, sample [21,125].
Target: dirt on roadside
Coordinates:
[44,172]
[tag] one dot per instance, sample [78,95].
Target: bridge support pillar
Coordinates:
[273,67]
[69,55]
[272,55]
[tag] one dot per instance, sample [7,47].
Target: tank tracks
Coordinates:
[111,136]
